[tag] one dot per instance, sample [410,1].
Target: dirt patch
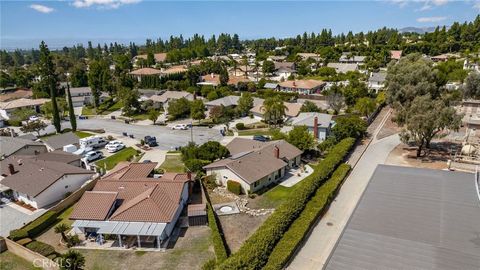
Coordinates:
[217,198]
[53,239]
[436,158]
[237,228]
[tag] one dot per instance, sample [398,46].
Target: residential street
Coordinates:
[167,138]
[321,242]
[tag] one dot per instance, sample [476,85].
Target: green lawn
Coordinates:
[258,131]
[273,197]
[10,261]
[122,155]
[83,134]
[88,111]
[63,217]
[140,117]
[173,163]
[115,107]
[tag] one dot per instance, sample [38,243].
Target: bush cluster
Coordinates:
[35,227]
[219,246]
[41,248]
[300,227]
[234,187]
[240,126]
[255,251]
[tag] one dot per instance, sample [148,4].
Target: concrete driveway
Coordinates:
[13,217]
[167,138]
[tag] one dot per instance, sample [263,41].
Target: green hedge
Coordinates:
[219,246]
[234,187]
[35,227]
[41,248]
[300,227]
[255,251]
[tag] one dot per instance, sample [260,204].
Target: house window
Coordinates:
[255,184]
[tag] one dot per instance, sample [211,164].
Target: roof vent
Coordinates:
[121,187]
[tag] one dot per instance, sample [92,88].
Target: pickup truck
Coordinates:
[150,141]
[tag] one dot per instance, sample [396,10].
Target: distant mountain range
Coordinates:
[419,30]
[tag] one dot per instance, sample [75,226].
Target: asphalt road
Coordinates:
[167,138]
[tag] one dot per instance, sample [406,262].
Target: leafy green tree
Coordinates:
[22,114]
[47,108]
[153,115]
[178,108]
[49,81]
[223,77]
[5,80]
[472,85]
[99,79]
[301,138]
[365,106]
[276,134]
[197,110]
[349,126]
[72,260]
[425,118]
[150,59]
[274,110]
[61,229]
[71,111]
[33,126]
[245,103]
[309,106]
[268,67]
[353,91]
[335,98]
[79,77]
[129,99]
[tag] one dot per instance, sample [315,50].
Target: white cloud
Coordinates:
[41,8]
[476,4]
[426,4]
[107,4]
[431,19]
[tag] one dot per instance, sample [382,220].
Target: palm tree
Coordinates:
[274,110]
[72,260]
[61,229]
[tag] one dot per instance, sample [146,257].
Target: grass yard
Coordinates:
[83,134]
[258,131]
[190,252]
[173,163]
[88,111]
[115,107]
[271,198]
[122,155]
[10,261]
[140,117]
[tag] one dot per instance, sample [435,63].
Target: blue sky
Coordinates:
[25,23]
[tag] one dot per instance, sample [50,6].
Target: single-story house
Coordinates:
[253,164]
[230,101]
[305,87]
[276,58]
[163,99]
[57,142]
[20,146]
[377,80]
[273,86]
[343,67]
[395,55]
[412,218]
[214,80]
[293,109]
[159,57]
[40,182]
[319,124]
[16,94]
[138,210]
[306,56]
[139,73]
[8,107]
[283,70]
[348,58]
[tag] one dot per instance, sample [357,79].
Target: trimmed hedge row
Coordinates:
[41,248]
[221,251]
[35,227]
[299,228]
[234,187]
[255,251]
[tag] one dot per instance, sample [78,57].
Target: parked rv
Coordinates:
[93,141]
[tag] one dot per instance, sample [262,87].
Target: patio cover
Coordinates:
[124,228]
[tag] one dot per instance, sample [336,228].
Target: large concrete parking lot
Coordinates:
[167,138]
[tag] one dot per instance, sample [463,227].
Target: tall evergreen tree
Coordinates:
[49,81]
[71,113]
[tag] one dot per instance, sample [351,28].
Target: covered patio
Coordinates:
[110,234]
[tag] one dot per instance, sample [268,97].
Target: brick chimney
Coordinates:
[294,84]
[315,127]
[11,169]
[276,151]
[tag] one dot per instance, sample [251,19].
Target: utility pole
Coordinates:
[191,131]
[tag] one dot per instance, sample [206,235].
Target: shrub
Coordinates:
[219,246]
[41,248]
[73,240]
[285,248]
[240,126]
[18,234]
[37,226]
[234,187]
[24,241]
[255,251]
[209,265]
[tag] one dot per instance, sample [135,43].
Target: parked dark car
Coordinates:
[260,138]
[150,141]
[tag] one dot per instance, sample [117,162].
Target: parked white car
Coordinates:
[33,118]
[114,146]
[180,127]
[93,155]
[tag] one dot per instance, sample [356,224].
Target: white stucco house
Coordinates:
[319,124]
